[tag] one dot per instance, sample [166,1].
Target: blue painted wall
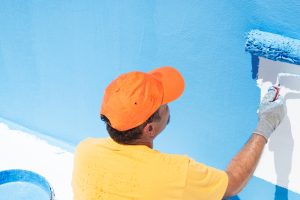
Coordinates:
[56,58]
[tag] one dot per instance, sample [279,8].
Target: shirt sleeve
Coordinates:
[204,182]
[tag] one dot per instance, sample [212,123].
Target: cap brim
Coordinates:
[172,81]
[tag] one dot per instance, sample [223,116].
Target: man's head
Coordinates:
[135,104]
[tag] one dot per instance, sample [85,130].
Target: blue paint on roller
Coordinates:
[255,64]
[19,176]
[272,46]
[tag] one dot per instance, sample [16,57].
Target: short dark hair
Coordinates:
[128,136]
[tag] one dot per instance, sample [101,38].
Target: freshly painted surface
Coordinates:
[22,190]
[56,58]
[16,184]
[280,163]
[23,150]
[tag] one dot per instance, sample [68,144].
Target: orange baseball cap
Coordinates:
[133,97]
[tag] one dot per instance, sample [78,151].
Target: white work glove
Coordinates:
[271,112]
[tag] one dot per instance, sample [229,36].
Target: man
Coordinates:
[125,166]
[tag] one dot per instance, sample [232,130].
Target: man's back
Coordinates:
[107,170]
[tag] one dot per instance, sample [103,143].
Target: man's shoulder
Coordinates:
[91,140]
[90,143]
[175,158]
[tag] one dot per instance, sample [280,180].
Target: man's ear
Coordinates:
[149,130]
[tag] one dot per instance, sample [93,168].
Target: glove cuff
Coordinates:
[264,128]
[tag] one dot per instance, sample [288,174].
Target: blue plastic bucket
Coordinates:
[17,184]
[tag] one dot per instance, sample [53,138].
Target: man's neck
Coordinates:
[143,142]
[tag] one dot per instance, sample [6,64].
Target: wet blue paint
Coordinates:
[18,184]
[233,198]
[22,191]
[255,65]
[260,189]
[281,193]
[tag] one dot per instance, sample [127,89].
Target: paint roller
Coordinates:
[275,47]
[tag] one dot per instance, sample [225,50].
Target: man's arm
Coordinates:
[242,166]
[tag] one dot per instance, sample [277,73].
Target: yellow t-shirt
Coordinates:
[106,170]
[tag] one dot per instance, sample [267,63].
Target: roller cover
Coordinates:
[272,46]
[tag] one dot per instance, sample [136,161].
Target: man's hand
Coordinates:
[271,113]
